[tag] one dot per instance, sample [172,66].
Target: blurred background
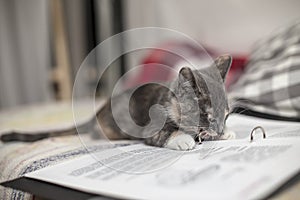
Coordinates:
[44,42]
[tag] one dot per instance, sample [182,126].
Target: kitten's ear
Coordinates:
[223,64]
[186,75]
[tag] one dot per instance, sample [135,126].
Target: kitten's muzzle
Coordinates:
[207,134]
[215,128]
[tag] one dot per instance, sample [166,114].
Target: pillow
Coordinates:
[270,83]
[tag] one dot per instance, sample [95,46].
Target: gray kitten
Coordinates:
[191,112]
[192,108]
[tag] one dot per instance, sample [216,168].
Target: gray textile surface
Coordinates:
[271,81]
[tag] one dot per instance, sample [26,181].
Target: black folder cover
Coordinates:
[50,191]
[56,192]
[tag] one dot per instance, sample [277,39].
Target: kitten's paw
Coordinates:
[180,141]
[228,135]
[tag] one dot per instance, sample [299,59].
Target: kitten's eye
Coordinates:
[211,120]
[226,117]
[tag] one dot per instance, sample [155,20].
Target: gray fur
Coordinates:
[187,106]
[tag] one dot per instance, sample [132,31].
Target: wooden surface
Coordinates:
[61,73]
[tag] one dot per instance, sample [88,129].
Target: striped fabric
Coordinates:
[271,81]
[19,158]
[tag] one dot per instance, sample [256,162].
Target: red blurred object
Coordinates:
[237,68]
[168,54]
[152,63]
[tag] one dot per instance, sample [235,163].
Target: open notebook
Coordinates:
[232,169]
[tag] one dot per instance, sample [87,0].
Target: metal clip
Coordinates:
[253,131]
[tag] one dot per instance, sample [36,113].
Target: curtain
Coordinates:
[24,52]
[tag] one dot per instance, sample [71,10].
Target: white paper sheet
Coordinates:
[234,169]
[242,125]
